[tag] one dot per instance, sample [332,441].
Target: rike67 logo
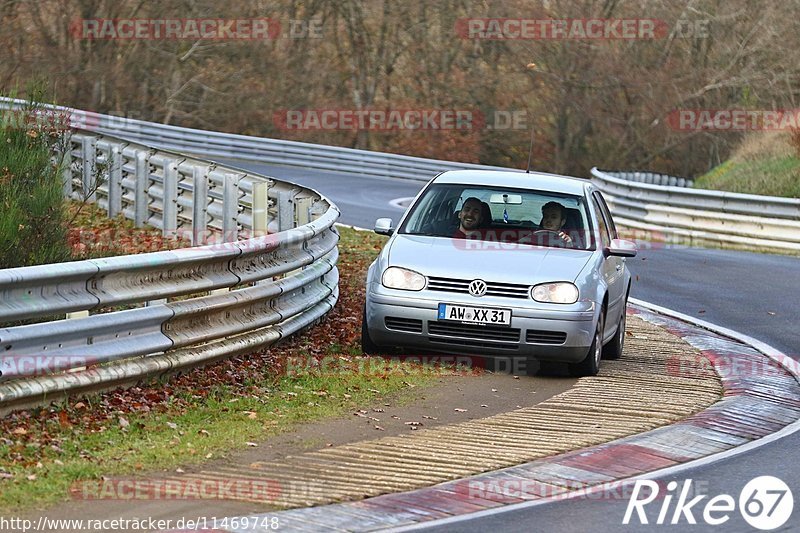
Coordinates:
[765,503]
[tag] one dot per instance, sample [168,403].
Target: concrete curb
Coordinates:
[761,398]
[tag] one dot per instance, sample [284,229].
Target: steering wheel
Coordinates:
[559,238]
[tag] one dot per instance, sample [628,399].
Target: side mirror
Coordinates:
[621,248]
[383,226]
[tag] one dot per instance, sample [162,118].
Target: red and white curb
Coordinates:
[761,403]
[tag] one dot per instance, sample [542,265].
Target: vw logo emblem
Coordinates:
[477,287]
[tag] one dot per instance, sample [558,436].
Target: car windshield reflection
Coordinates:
[504,215]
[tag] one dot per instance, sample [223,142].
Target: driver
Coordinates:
[553,219]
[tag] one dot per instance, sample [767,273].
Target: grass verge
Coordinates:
[765,164]
[207,412]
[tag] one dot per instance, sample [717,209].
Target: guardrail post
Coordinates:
[89,156]
[302,210]
[115,182]
[230,212]
[141,180]
[260,205]
[317,209]
[199,206]
[285,211]
[169,220]
[72,316]
[230,208]
[66,171]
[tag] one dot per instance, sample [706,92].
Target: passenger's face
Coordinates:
[470,215]
[552,219]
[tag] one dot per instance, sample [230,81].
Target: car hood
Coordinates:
[490,261]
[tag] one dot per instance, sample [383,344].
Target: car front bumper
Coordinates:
[539,331]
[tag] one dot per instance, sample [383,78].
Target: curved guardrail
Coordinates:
[258,149]
[698,216]
[190,306]
[653,178]
[210,202]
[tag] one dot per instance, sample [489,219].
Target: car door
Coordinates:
[613,267]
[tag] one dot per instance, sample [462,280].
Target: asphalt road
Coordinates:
[361,200]
[755,294]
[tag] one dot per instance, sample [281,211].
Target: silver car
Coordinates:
[475,266]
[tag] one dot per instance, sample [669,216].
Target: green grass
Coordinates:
[764,164]
[202,416]
[225,420]
[769,177]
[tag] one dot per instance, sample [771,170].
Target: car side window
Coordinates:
[612,229]
[602,227]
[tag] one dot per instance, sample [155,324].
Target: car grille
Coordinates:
[473,343]
[481,333]
[408,325]
[535,336]
[507,290]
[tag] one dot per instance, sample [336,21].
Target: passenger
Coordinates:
[470,220]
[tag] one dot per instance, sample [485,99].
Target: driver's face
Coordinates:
[552,219]
[470,215]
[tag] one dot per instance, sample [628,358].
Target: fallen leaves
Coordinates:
[33,434]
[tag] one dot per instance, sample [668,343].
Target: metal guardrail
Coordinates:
[226,296]
[653,178]
[239,289]
[258,149]
[696,216]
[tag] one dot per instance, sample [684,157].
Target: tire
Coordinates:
[590,365]
[367,346]
[613,350]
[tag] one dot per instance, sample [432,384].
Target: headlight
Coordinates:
[400,278]
[555,293]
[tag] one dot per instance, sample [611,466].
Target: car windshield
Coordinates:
[506,214]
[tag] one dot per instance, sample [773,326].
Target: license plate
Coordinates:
[468,314]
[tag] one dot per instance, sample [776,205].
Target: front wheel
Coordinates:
[613,350]
[590,366]
[367,346]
